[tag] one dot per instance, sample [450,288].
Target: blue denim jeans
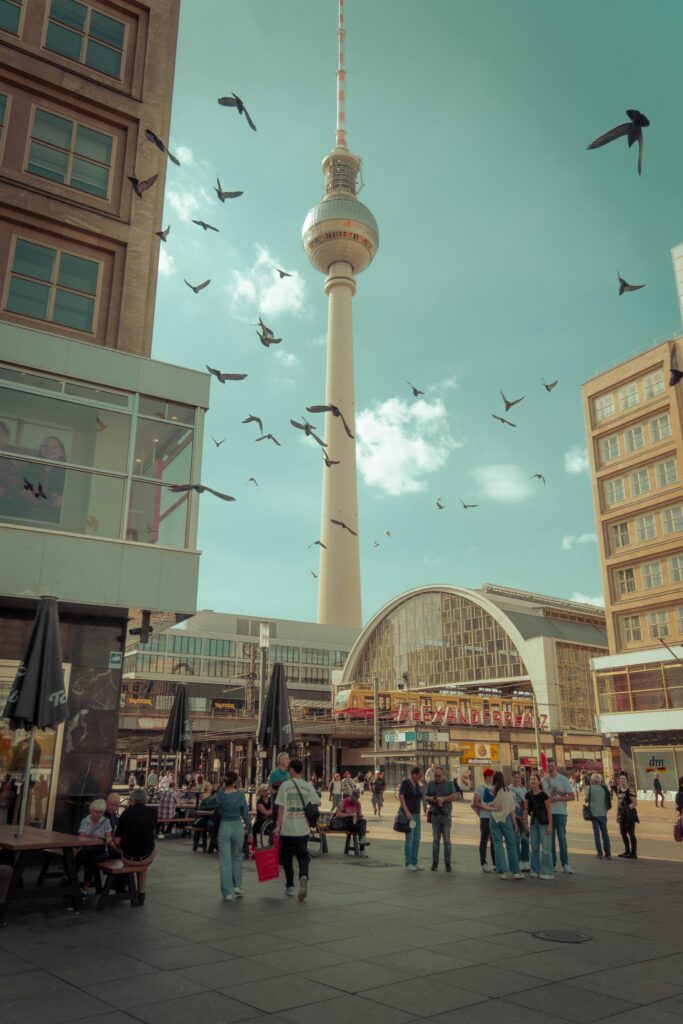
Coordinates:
[504,832]
[522,841]
[560,832]
[541,854]
[230,855]
[600,833]
[412,842]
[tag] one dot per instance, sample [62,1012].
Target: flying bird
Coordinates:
[330,462]
[319,543]
[218,443]
[625,287]
[338,522]
[439,503]
[537,476]
[252,480]
[416,391]
[509,404]
[199,488]
[268,339]
[218,189]
[37,492]
[309,431]
[254,419]
[163,235]
[387,533]
[675,374]
[335,410]
[269,437]
[467,506]
[502,420]
[235,101]
[375,544]
[632,129]
[196,288]
[222,377]
[205,226]
[161,145]
[264,328]
[282,273]
[314,574]
[549,387]
[140,186]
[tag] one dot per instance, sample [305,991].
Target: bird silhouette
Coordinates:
[375,544]
[625,287]
[254,419]
[309,431]
[314,574]
[439,503]
[502,420]
[675,374]
[199,488]
[416,391]
[161,145]
[282,273]
[508,403]
[632,129]
[252,480]
[222,377]
[387,533]
[269,437]
[537,476]
[330,462]
[206,227]
[335,410]
[218,443]
[225,195]
[549,387]
[235,101]
[319,543]
[268,339]
[338,522]
[163,235]
[37,492]
[141,185]
[269,333]
[196,288]
[465,505]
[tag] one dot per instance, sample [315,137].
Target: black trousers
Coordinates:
[88,858]
[291,847]
[484,838]
[628,834]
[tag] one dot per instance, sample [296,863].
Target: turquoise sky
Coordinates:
[500,242]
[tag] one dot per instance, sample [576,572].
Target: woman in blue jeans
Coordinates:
[412,799]
[538,812]
[233,811]
[501,804]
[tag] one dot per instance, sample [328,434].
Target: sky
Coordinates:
[500,241]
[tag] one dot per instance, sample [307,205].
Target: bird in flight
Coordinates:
[387,533]
[338,522]
[140,186]
[199,488]
[252,480]
[205,226]
[264,328]
[235,101]
[625,287]
[375,544]
[502,420]
[467,506]
[254,419]
[439,503]
[537,476]
[163,235]
[218,189]
[314,574]
[196,288]
[508,403]
[282,273]
[269,437]
[268,339]
[632,129]
[549,387]
[37,492]
[319,543]
[218,443]
[222,377]
[309,431]
[330,462]
[416,391]
[335,410]
[161,145]
[675,374]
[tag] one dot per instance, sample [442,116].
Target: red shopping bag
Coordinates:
[268,862]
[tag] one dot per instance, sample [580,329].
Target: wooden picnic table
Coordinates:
[32,839]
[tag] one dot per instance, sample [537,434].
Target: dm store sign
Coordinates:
[648,761]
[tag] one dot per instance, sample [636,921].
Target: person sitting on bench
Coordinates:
[135,837]
[96,825]
[350,818]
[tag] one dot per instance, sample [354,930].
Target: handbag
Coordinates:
[587,813]
[678,830]
[401,823]
[310,810]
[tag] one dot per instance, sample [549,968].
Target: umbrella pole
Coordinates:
[27,781]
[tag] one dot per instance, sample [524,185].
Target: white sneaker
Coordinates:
[567,870]
[525,866]
[237,892]
[289,891]
[505,875]
[418,867]
[547,878]
[227,899]
[518,874]
[534,874]
[487,869]
[410,867]
[303,889]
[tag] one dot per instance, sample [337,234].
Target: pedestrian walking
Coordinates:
[440,796]
[559,789]
[167,810]
[378,787]
[479,808]
[657,790]
[598,801]
[501,805]
[519,795]
[412,801]
[627,816]
[348,786]
[538,816]
[231,805]
[335,792]
[293,827]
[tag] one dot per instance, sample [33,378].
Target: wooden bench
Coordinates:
[185,822]
[353,840]
[203,833]
[117,869]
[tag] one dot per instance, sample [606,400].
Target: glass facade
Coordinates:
[639,688]
[70,154]
[575,689]
[85,34]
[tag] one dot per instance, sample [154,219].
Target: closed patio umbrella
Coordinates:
[178,733]
[275,728]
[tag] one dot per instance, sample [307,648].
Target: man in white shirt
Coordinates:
[293,828]
[561,792]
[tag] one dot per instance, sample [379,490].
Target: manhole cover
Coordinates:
[557,936]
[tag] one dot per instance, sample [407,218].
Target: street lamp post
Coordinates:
[264,643]
[375,719]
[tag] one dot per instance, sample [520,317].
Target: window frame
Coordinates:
[85,34]
[3,128]
[628,447]
[651,377]
[598,410]
[609,448]
[673,569]
[622,580]
[20,26]
[629,624]
[71,155]
[675,529]
[616,538]
[611,483]
[656,419]
[652,524]
[648,573]
[624,394]
[654,627]
[659,465]
[636,473]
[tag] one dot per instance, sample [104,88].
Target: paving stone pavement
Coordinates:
[372,944]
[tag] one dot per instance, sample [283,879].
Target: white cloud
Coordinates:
[187,204]
[166,263]
[584,599]
[259,290]
[398,443]
[506,483]
[571,541]
[449,384]
[576,460]
[286,358]
[184,154]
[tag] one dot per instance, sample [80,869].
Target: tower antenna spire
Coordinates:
[340,134]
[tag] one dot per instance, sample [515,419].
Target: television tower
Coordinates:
[340,238]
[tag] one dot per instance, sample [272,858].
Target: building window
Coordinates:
[666,473]
[653,385]
[604,407]
[658,623]
[3,112]
[626,581]
[628,396]
[630,626]
[651,574]
[672,519]
[609,448]
[70,153]
[86,35]
[679,618]
[676,569]
[10,13]
[640,482]
[619,533]
[660,428]
[634,439]
[614,491]
[646,528]
[53,285]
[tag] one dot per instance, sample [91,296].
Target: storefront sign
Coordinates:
[648,760]
[222,707]
[479,753]
[448,714]
[139,702]
[530,762]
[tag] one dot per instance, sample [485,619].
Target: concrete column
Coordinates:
[339,602]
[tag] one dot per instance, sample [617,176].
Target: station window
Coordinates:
[84,34]
[631,630]
[53,285]
[70,153]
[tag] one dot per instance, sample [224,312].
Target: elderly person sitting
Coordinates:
[96,825]
[134,837]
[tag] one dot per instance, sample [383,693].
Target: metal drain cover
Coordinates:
[552,935]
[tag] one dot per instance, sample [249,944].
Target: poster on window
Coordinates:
[651,761]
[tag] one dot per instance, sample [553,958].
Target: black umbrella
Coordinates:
[37,699]
[275,727]
[178,735]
